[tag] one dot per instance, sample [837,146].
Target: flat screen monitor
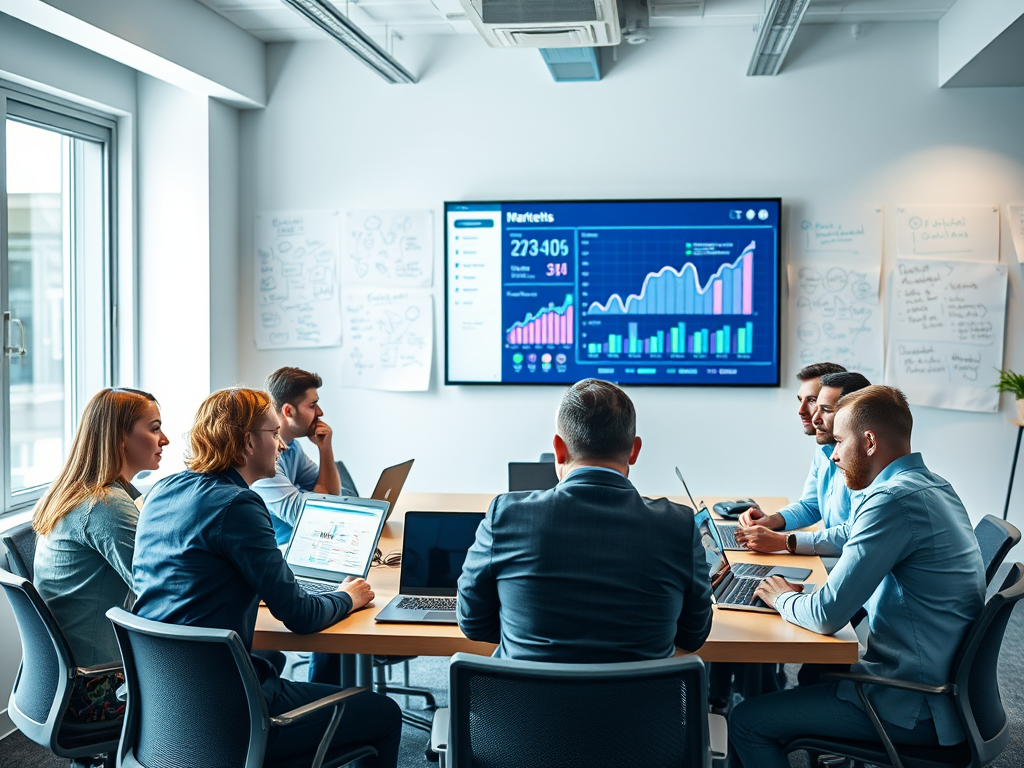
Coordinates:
[660,292]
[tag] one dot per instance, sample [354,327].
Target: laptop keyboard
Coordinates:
[316,587]
[728,534]
[428,603]
[741,592]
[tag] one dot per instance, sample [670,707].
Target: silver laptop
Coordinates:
[434,547]
[333,538]
[390,484]
[732,586]
[726,530]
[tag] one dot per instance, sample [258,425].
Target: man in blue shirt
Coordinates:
[912,561]
[205,556]
[825,495]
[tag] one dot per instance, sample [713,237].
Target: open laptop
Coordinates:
[531,476]
[733,585]
[434,547]
[727,530]
[333,538]
[390,484]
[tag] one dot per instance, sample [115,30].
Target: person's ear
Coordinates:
[635,450]
[871,442]
[561,450]
[287,410]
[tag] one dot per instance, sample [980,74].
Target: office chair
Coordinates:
[511,713]
[973,686]
[547,458]
[996,538]
[42,689]
[20,542]
[194,699]
[348,485]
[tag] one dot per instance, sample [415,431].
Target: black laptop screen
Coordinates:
[433,550]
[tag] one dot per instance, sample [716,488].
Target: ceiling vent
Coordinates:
[545,23]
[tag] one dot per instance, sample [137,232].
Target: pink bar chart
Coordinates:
[551,325]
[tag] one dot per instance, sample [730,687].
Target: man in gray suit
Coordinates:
[589,571]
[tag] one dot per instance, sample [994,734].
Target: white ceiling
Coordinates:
[273,21]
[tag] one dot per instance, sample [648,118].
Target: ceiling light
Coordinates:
[776,35]
[325,16]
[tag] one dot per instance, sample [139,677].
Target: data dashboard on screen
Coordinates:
[658,292]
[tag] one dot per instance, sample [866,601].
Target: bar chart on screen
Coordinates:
[551,325]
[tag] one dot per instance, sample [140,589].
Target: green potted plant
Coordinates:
[1014,384]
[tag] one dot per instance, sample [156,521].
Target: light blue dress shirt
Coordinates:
[913,562]
[825,498]
[296,474]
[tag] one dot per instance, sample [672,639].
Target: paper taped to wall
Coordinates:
[389,247]
[946,333]
[851,234]
[948,232]
[389,339]
[296,280]
[1015,217]
[837,317]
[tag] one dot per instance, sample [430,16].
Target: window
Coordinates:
[57,293]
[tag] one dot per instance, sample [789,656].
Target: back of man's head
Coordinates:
[596,419]
[289,385]
[882,410]
[846,382]
[817,370]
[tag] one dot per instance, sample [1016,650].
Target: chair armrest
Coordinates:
[287,718]
[100,669]
[439,730]
[906,685]
[718,730]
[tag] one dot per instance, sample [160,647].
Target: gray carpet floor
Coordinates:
[17,752]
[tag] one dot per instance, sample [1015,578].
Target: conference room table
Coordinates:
[739,636]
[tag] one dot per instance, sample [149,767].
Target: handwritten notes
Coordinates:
[853,235]
[1015,217]
[296,280]
[389,247]
[946,333]
[389,339]
[837,317]
[963,232]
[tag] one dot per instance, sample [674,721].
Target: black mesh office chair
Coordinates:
[509,713]
[20,543]
[48,672]
[173,722]
[973,686]
[996,538]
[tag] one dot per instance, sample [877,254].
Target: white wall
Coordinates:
[847,120]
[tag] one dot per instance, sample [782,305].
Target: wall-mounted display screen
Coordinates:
[666,292]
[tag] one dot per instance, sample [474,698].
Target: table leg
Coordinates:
[364,670]
[348,670]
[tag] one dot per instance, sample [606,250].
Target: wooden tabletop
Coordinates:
[735,635]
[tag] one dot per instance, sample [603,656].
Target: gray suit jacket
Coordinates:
[587,572]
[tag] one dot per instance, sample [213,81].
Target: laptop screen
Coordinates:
[714,550]
[335,537]
[531,476]
[433,551]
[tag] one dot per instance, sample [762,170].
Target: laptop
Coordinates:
[434,547]
[390,484]
[732,586]
[531,476]
[333,538]
[727,530]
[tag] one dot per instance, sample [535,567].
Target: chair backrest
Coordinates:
[975,673]
[20,542]
[43,686]
[348,485]
[995,538]
[548,458]
[505,712]
[193,697]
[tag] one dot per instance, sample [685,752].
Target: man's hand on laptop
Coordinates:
[359,590]
[770,589]
[754,516]
[320,433]
[761,539]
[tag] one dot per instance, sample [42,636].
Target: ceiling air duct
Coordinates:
[777,31]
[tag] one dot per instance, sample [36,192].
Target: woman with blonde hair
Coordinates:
[86,524]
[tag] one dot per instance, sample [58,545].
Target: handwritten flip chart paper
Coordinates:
[389,339]
[965,232]
[838,317]
[1015,217]
[946,333]
[296,280]
[389,247]
[852,235]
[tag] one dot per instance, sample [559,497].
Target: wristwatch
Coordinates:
[791,543]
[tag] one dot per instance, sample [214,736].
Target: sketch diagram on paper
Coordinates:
[296,280]
[389,338]
[389,247]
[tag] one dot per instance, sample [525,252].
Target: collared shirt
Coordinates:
[283,493]
[825,498]
[587,468]
[913,562]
